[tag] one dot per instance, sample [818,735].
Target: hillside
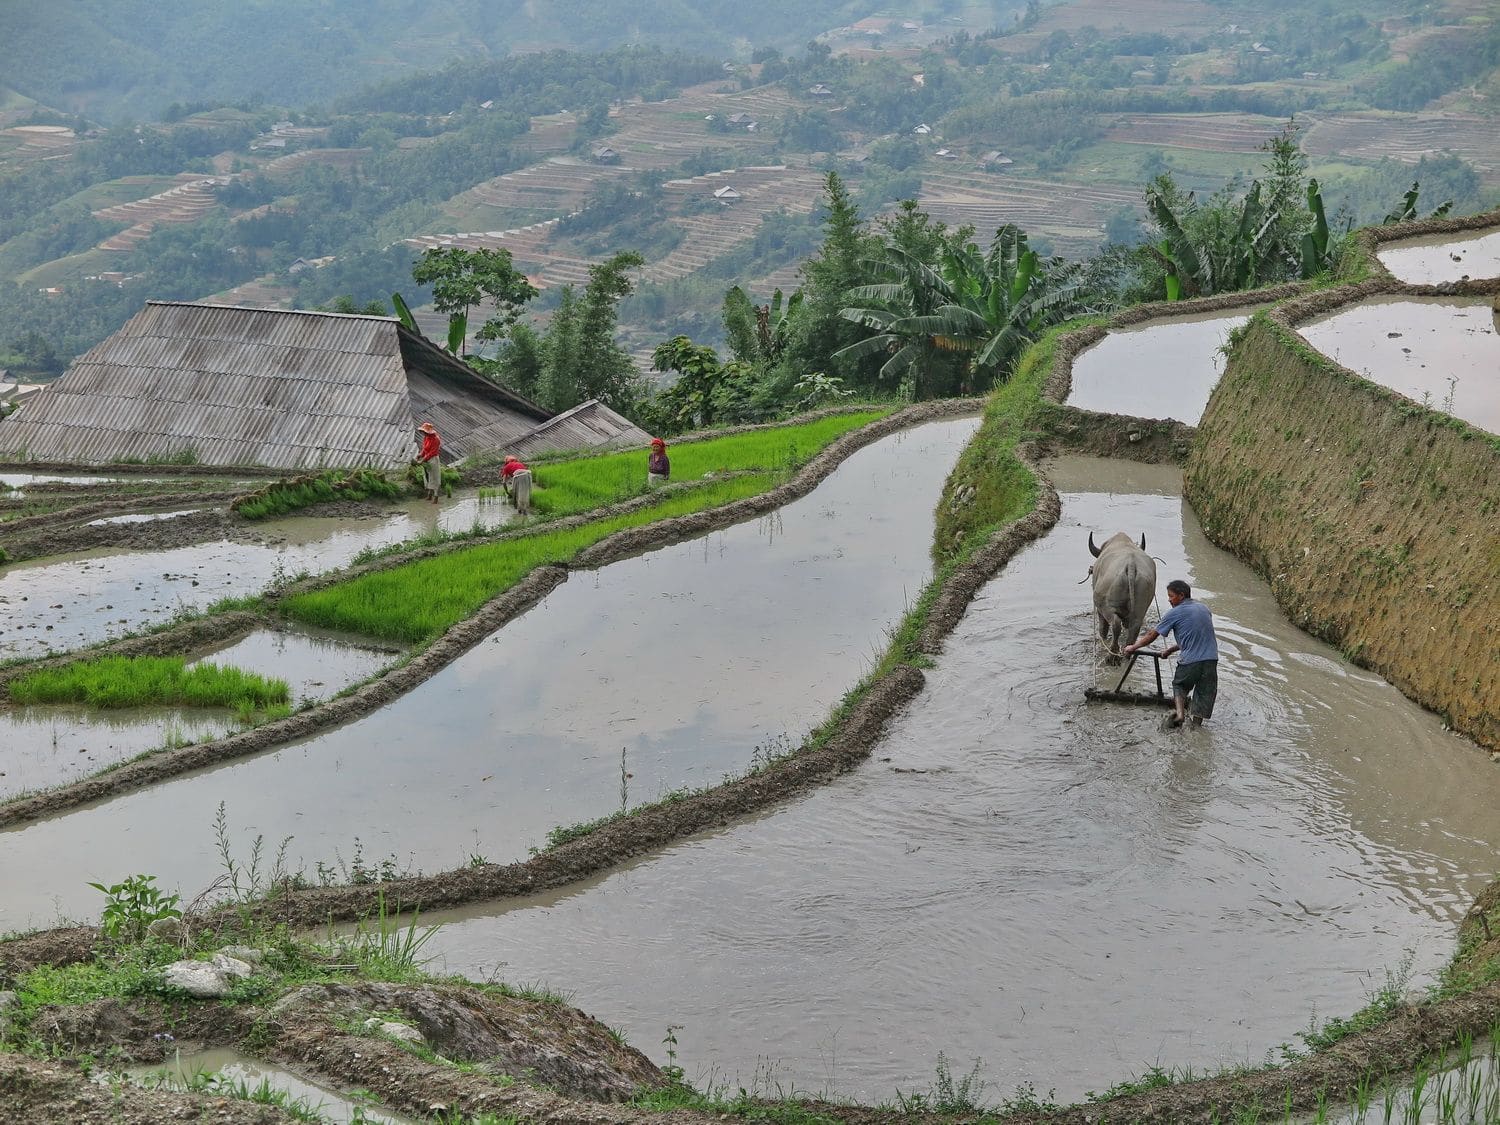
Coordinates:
[563,159]
[118,59]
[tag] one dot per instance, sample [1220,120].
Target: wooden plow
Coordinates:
[1120,695]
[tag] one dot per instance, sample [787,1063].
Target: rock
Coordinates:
[166,929]
[1134,436]
[246,953]
[400,1031]
[206,980]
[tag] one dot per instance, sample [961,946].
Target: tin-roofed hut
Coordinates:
[220,385]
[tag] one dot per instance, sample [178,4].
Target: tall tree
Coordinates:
[580,358]
[462,279]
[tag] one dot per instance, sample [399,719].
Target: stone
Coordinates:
[207,980]
[246,953]
[405,1033]
[166,929]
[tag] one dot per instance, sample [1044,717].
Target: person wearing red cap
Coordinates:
[432,465]
[658,465]
[515,478]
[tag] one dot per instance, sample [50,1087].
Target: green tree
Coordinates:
[580,358]
[463,279]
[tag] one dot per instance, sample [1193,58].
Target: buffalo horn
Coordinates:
[1143,540]
[1093,550]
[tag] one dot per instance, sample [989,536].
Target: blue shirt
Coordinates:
[1193,628]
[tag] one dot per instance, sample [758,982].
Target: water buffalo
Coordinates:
[1124,584]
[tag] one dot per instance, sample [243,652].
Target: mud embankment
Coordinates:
[1375,520]
[535,1060]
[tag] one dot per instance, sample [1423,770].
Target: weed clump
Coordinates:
[143,681]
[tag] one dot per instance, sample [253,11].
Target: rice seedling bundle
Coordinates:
[145,681]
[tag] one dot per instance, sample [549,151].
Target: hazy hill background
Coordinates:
[302,154]
[118,59]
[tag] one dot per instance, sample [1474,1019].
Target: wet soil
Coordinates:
[32,1090]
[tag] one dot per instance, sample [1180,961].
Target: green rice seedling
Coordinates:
[291,494]
[420,600]
[564,487]
[143,681]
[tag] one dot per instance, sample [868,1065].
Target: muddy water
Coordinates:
[1160,369]
[1443,352]
[140,517]
[657,672]
[239,1069]
[45,746]
[63,602]
[21,480]
[1060,888]
[1443,258]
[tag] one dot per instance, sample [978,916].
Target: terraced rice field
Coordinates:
[1071,216]
[1407,138]
[343,158]
[1208,132]
[191,199]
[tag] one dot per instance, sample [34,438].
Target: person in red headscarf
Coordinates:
[658,465]
[432,465]
[515,478]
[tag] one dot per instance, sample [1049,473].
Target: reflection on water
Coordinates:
[1160,369]
[1443,352]
[45,746]
[1062,889]
[1442,258]
[73,600]
[688,659]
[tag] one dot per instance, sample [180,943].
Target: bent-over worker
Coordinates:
[1197,672]
[515,478]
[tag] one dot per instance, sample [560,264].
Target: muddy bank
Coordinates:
[1372,517]
[33,1090]
[534,1059]
[65,535]
[467,634]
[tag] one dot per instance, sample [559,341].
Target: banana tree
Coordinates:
[1408,208]
[978,309]
[891,309]
[1219,247]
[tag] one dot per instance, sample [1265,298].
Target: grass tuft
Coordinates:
[143,681]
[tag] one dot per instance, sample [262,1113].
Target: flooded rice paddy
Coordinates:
[1159,369]
[45,746]
[1062,889]
[65,602]
[667,670]
[1443,352]
[1437,259]
[235,1070]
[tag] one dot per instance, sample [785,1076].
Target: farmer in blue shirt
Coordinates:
[1198,669]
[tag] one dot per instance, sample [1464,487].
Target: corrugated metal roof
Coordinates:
[237,386]
[589,425]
